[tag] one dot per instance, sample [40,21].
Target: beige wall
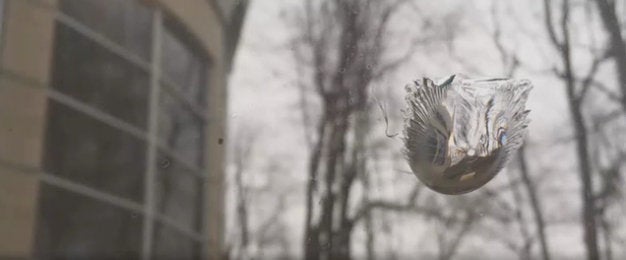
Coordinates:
[26,53]
[216,154]
[201,20]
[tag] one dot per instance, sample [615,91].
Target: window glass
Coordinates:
[169,244]
[84,70]
[180,129]
[84,150]
[76,227]
[178,193]
[127,23]
[184,67]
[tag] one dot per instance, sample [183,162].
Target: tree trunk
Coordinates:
[242,211]
[582,152]
[534,203]
[563,46]
[588,214]
[343,40]
[311,241]
[618,46]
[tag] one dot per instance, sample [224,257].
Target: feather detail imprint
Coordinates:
[460,133]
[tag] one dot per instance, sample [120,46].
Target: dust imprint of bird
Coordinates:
[459,134]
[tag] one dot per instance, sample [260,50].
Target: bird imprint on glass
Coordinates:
[459,134]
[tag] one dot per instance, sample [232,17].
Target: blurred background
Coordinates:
[215,129]
[311,173]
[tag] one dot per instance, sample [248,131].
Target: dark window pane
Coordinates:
[179,193]
[84,70]
[180,129]
[125,22]
[169,244]
[184,67]
[73,226]
[86,151]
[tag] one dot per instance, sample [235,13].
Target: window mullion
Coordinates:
[153,123]
[92,193]
[194,169]
[174,89]
[103,41]
[175,225]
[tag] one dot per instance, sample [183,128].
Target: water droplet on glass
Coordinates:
[165,163]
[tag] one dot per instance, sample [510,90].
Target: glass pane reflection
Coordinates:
[169,244]
[178,193]
[126,23]
[184,67]
[180,129]
[84,150]
[77,227]
[84,70]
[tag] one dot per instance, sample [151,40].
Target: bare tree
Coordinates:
[259,208]
[530,186]
[576,91]
[455,218]
[511,62]
[617,45]
[272,231]
[610,175]
[456,225]
[608,155]
[243,142]
[343,43]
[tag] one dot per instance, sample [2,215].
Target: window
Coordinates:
[123,22]
[180,129]
[96,76]
[87,226]
[84,150]
[170,244]
[122,74]
[178,195]
[183,67]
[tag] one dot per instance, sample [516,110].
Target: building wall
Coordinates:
[25,53]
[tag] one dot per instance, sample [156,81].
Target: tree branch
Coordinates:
[548,20]
[587,80]
[605,90]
